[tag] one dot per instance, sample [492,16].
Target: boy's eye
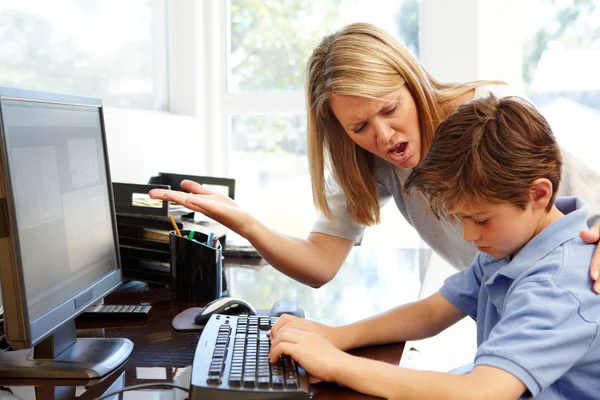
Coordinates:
[480,222]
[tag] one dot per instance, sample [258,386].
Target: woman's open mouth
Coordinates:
[399,153]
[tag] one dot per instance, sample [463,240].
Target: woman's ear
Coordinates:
[541,192]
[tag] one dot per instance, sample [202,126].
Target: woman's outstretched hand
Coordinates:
[214,205]
[592,236]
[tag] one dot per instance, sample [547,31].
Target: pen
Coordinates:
[191,235]
[174,225]
[210,239]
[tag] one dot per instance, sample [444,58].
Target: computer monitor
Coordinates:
[58,238]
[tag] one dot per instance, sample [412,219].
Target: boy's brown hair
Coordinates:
[488,151]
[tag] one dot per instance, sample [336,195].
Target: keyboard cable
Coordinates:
[143,386]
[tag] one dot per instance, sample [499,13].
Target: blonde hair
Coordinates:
[488,151]
[364,61]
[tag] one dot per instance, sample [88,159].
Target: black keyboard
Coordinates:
[232,362]
[112,311]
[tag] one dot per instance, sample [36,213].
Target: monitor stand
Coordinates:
[63,356]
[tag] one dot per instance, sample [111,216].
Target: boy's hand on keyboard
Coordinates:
[318,356]
[287,321]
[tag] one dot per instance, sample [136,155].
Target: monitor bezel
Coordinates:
[20,332]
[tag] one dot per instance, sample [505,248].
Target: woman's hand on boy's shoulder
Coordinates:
[592,236]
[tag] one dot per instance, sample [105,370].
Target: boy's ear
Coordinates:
[541,192]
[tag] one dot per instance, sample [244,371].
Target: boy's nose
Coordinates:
[471,233]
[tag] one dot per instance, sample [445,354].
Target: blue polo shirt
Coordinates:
[537,316]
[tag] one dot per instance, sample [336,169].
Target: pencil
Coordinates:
[174,225]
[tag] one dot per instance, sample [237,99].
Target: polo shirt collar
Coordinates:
[557,233]
[554,235]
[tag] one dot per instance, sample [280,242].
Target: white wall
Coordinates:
[463,40]
[143,143]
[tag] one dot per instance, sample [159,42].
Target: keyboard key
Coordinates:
[277,381]
[214,380]
[249,381]
[291,383]
[264,324]
[235,380]
[263,381]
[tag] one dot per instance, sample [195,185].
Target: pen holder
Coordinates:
[196,268]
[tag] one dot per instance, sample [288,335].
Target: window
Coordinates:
[262,31]
[269,43]
[561,60]
[111,49]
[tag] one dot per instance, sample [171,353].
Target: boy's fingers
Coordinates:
[283,320]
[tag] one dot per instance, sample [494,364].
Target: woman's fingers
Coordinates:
[169,195]
[591,236]
[157,193]
[195,187]
[595,269]
[214,205]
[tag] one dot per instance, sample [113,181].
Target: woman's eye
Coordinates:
[359,129]
[390,111]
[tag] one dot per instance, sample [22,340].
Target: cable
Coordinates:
[3,343]
[142,386]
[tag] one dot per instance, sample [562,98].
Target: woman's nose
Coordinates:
[383,131]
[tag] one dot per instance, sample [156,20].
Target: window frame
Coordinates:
[159,30]
[199,31]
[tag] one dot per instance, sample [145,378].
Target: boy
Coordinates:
[494,167]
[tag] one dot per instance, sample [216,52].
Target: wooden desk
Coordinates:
[371,281]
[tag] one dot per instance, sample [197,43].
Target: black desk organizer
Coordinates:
[144,258]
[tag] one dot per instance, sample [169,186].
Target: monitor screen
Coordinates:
[61,199]
[59,204]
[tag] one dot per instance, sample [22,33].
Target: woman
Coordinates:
[372,112]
